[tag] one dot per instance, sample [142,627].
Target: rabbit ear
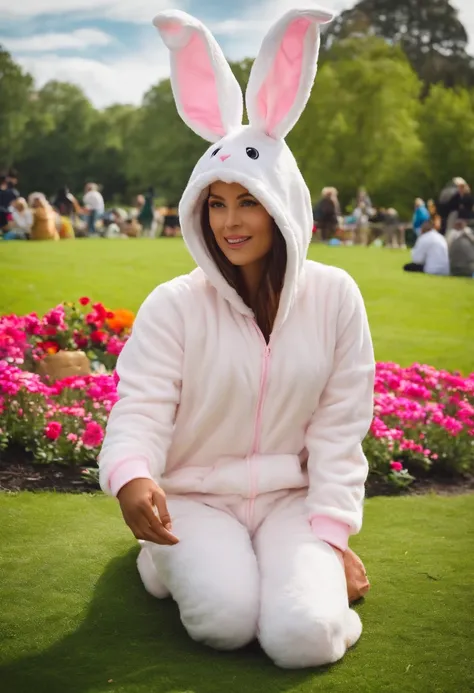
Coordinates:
[208,96]
[283,73]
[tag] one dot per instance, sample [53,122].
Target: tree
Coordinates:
[107,158]
[429,31]
[16,91]
[57,140]
[447,132]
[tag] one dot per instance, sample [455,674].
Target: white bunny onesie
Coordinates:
[257,446]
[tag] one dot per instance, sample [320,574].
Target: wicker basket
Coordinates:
[64,364]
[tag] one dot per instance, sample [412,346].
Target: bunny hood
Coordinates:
[209,100]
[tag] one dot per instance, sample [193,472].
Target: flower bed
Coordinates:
[90,327]
[423,425]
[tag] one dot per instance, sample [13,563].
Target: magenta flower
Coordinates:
[53,430]
[93,434]
[396,466]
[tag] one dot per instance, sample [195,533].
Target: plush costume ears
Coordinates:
[283,73]
[208,96]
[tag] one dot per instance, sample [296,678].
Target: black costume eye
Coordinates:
[216,150]
[252,153]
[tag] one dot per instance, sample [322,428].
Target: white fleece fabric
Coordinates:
[222,420]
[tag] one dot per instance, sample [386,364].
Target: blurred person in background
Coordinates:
[326,214]
[393,231]
[43,227]
[8,195]
[94,206]
[146,215]
[430,253]
[461,250]
[19,228]
[420,216]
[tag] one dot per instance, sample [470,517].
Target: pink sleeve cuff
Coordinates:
[126,470]
[332,531]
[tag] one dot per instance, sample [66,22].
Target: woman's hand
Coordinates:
[357,582]
[143,505]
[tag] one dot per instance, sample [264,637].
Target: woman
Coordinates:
[22,220]
[43,227]
[420,215]
[234,453]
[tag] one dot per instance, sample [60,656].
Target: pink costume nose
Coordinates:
[223,157]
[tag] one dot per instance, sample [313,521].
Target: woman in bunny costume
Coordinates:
[235,447]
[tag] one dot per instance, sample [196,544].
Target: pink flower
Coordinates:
[72,437]
[93,434]
[53,430]
[396,466]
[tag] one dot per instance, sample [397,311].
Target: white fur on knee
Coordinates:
[302,639]
[212,575]
[305,620]
[224,620]
[149,574]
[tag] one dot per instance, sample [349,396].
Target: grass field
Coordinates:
[413,318]
[74,617]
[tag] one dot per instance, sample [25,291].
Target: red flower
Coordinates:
[93,434]
[110,315]
[101,311]
[48,347]
[53,430]
[99,336]
[84,300]
[50,331]
[81,341]
[396,466]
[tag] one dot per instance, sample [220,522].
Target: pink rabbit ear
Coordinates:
[208,96]
[283,73]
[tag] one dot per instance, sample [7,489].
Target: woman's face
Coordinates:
[242,227]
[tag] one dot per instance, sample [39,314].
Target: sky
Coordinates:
[111,50]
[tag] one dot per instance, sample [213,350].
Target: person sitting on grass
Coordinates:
[19,228]
[44,226]
[235,456]
[461,250]
[430,252]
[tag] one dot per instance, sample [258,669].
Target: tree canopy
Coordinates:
[429,31]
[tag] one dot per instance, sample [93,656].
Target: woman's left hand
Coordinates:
[356,577]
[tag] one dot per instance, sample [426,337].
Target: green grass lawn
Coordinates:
[413,317]
[74,617]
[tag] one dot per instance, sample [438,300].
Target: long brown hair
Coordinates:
[267,296]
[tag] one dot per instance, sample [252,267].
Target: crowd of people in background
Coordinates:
[64,217]
[441,232]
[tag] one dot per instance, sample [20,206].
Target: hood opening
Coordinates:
[191,226]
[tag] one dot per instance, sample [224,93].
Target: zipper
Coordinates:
[258,423]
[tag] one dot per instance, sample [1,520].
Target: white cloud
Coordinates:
[138,11]
[76,40]
[124,80]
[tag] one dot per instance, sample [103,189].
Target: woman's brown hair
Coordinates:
[267,297]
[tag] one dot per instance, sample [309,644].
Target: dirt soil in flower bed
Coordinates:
[19,473]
